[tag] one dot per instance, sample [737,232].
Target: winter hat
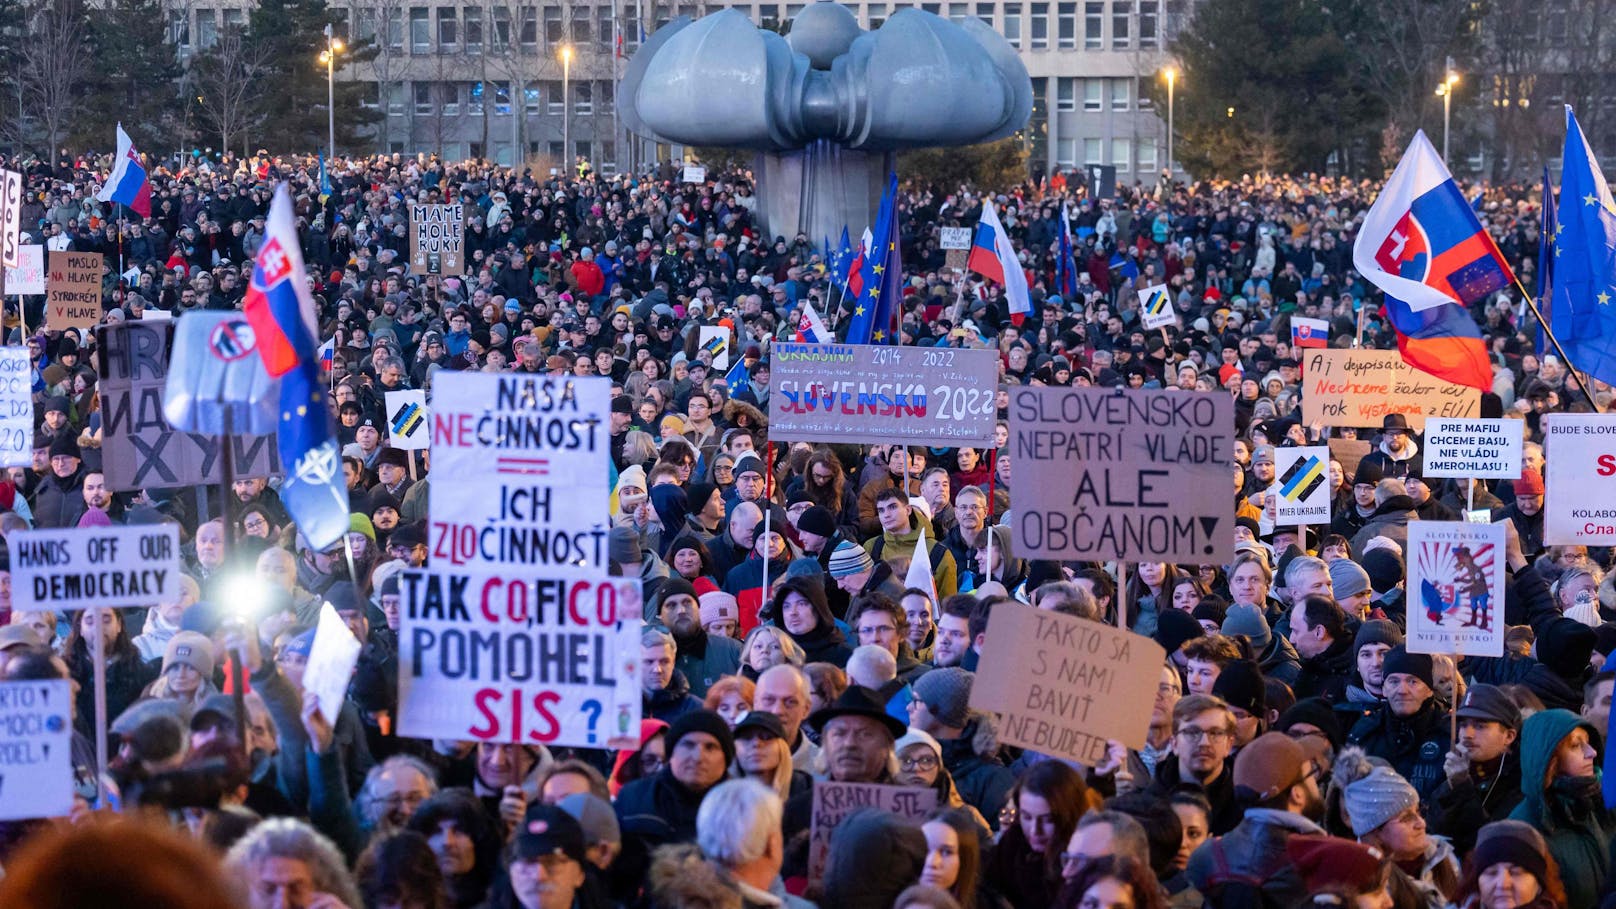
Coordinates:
[946,693]
[1240,684]
[1347,579]
[1211,609]
[917,737]
[1273,763]
[152,728]
[1315,712]
[718,606]
[301,645]
[1175,628]
[805,567]
[358,523]
[1565,646]
[94,517]
[623,545]
[1377,631]
[1369,473]
[65,443]
[1530,483]
[817,521]
[703,721]
[1243,618]
[191,649]
[1505,842]
[550,830]
[1489,702]
[1384,567]
[849,559]
[1332,862]
[697,495]
[595,816]
[748,463]
[1418,665]
[1374,799]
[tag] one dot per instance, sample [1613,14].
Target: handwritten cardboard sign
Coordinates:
[834,801]
[72,290]
[1065,686]
[438,239]
[1360,387]
[1456,588]
[36,751]
[1480,449]
[873,393]
[10,218]
[1105,474]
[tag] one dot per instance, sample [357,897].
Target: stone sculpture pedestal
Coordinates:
[819,189]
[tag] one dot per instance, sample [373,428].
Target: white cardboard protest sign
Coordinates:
[1302,485]
[36,749]
[408,426]
[28,275]
[79,567]
[694,173]
[332,658]
[10,218]
[518,633]
[1456,588]
[1156,307]
[1478,448]
[715,340]
[1066,685]
[954,238]
[16,408]
[1579,507]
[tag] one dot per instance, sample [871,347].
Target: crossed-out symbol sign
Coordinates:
[231,341]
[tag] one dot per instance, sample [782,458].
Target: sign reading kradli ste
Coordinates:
[872,393]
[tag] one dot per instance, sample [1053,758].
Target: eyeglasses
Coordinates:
[923,762]
[1193,734]
[876,629]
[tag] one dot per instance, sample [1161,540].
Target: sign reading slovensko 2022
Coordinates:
[878,394]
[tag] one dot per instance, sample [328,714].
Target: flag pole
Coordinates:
[1570,367]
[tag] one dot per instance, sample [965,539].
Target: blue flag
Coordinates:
[842,259]
[1583,307]
[875,311]
[737,378]
[1545,261]
[1066,261]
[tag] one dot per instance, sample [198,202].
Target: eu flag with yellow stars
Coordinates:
[875,311]
[1583,307]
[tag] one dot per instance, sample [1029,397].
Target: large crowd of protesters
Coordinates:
[1298,754]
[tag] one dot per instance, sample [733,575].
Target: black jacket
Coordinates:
[1457,812]
[1325,675]
[1414,746]
[1226,811]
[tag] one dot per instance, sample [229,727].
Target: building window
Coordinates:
[1066,26]
[451,99]
[207,29]
[1012,24]
[1148,23]
[364,24]
[769,16]
[1142,92]
[1119,93]
[555,34]
[554,105]
[1093,26]
[608,95]
[423,97]
[878,15]
[530,101]
[604,32]
[474,99]
[235,19]
[420,31]
[959,12]
[1066,153]
[583,98]
[502,98]
[1065,93]
[1093,94]
[984,11]
[372,100]
[529,32]
[395,98]
[179,28]
[474,29]
[499,35]
[1091,151]
[581,149]
[557,150]
[1121,12]
[1147,155]
[1040,26]
[608,157]
[630,28]
[394,20]
[1122,154]
[582,32]
[448,29]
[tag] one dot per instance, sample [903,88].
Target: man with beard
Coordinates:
[856,739]
[1277,778]
[953,639]
[702,658]
[1411,730]
[256,491]
[1203,737]
[96,495]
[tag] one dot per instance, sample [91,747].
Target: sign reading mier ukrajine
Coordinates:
[518,633]
[36,755]
[1109,474]
[79,567]
[873,393]
[1303,478]
[1066,685]
[438,239]
[1479,449]
[1456,588]
[1579,452]
[16,408]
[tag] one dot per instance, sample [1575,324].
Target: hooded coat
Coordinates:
[981,777]
[1569,812]
[1390,520]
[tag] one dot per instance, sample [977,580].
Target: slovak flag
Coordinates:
[128,183]
[810,328]
[1423,246]
[855,269]
[1309,332]
[281,311]
[993,257]
[328,352]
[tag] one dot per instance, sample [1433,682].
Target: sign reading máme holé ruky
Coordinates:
[518,633]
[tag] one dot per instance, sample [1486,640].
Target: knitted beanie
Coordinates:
[1377,798]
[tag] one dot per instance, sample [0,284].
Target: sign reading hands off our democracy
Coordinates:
[1065,686]
[1109,474]
[1359,387]
[80,567]
[874,393]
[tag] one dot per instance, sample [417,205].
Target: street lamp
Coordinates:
[1445,91]
[1172,81]
[566,107]
[329,58]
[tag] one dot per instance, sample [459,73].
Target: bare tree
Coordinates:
[379,21]
[227,78]
[54,61]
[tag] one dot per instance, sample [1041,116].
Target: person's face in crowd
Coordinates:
[391,474]
[210,545]
[1417,490]
[1263,470]
[936,492]
[95,491]
[784,695]
[917,610]
[764,652]
[1403,838]
[1332,553]
[656,662]
[880,628]
[1406,693]
[367,437]
[856,748]
[456,852]
[1248,585]
[546,882]
[560,785]
[398,792]
[918,765]
[279,882]
[894,515]
[183,679]
[1484,740]
[1185,596]
[953,640]
[1371,666]
[500,765]
[744,523]
[1597,710]
[277,566]
[1204,742]
[648,413]
[255,525]
[1575,756]
[1168,692]
[749,486]
[1196,828]
[942,865]
[1201,675]
[1575,586]
[732,707]
[688,563]
[1037,821]
[697,761]
[1506,885]
[1397,440]
[755,751]
[63,465]
[458,322]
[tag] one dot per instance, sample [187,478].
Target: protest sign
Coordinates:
[407,425]
[1456,588]
[78,567]
[1156,307]
[1358,387]
[694,173]
[834,801]
[438,239]
[1480,449]
[1304,485]
[515,635]
[10,218]
[955,242]
[16,408]
[1066,685]
[874,393]
[36,749]
[1105,474]
[331,662]
[1580,479]
[1349,452]
[715,340]
[73,290]
[140,450]
[27,276]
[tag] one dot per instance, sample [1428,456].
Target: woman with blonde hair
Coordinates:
[762,754]
[766,647]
